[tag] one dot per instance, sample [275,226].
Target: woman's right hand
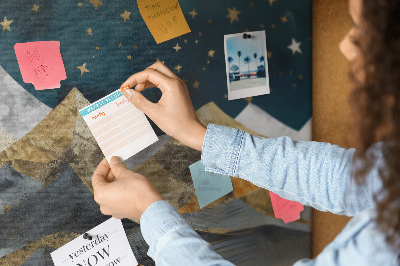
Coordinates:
[174,112]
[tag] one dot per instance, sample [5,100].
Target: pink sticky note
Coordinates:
[286,210]
[41,64]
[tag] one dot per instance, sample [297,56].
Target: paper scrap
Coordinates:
[108,246]
[209,186]
[41,64]
[164,18]
[118,126]
[284,209]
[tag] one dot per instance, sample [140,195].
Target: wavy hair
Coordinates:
[375,103]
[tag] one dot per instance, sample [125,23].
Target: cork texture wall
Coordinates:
[331,89]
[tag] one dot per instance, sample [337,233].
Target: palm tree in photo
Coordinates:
[247,60]
[239,54]
[262,59]
[230,59]
[255,60]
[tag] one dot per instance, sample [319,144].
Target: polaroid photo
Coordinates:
[246,64]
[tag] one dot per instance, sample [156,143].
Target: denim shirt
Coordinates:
[312,173]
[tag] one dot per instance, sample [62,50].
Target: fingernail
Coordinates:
[129,92]
[115,160]
[127,87]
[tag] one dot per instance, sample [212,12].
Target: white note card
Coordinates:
[118,126]
[109,247]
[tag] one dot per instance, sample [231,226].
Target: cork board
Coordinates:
[331,89]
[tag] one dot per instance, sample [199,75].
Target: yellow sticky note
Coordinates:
[164,18]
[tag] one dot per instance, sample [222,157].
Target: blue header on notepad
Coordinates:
[100,103]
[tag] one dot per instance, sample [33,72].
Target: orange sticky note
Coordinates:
[164,18]
[284,209]
[41,64]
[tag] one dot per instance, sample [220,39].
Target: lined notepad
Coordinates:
[118,126]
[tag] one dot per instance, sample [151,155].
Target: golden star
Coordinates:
[269,54]
[284,19]
[196,84]
[184,80]
[251,4]
[193,13]
[89,31]
[233,14]
[82,69]
[176,47]
[226,96]
[129,57]
[209,21]
[248,99]
[204,68]
[271,2]
[211,53]
[96,3]
[262,26]
[294,85]
[300,76]
[208,61]
[196,41]
[35,8]
[6,24]
[178,67]
[80,4]
[273,26]
[185,41]
[97,48]
[120,45]
[135,47]
[200,33]
[126,15]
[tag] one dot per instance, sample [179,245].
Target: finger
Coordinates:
[100,174]
[117,167]
[160,67]
[110,177]
[143,86]
[157,78]
[140,102]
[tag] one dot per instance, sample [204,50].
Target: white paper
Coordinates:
[109,246]
[118,126]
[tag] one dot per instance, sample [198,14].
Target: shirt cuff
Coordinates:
[158,219]
[221,150]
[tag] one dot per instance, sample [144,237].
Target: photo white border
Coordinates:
[249,92]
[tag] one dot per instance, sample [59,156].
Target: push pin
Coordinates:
[127,87]
[246,36]
[87,236]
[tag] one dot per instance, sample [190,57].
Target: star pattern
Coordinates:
[178,67]
[83,69]
[6,24]
[196,84]
[126,15]
[35,8]
[193,13]
[269,54]
[129,57]
[96,3]
[284,19]
[271,2]
[89,31]
[295,47]
[211,53]
[120,45]
[233,14]
[177,47]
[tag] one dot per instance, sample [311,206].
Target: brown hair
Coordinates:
[375,103]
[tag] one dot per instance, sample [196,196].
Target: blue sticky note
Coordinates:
[209,186]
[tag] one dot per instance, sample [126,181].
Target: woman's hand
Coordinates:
[127,197]
[174,112]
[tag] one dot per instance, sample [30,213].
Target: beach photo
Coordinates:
[246,64]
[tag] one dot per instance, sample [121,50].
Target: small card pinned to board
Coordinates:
[246,64]
[287,210]
[209,186]
[41,64]
[118,126]
[106,244]
[164,18]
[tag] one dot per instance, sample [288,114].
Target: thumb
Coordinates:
[138,100]
[117,167]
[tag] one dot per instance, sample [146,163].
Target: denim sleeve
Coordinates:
[172,241]
[312,173]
